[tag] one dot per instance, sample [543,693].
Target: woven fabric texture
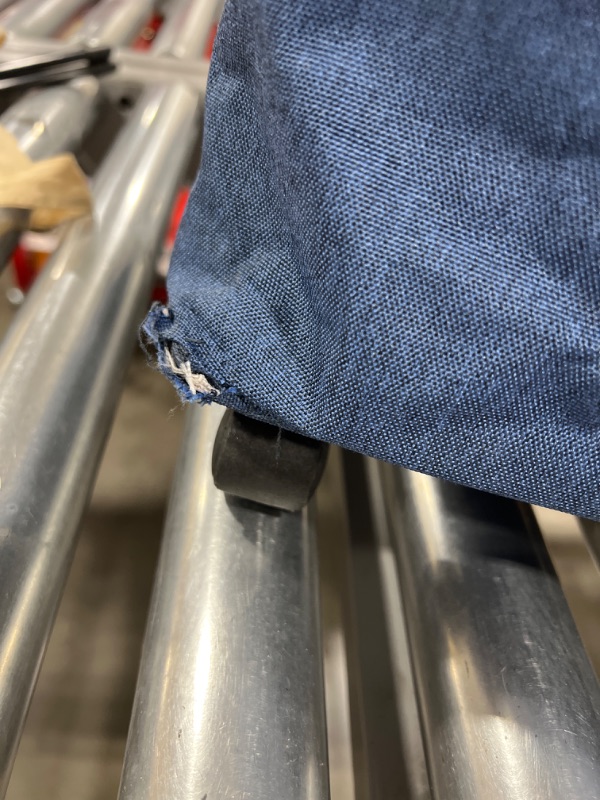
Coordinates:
[393,241]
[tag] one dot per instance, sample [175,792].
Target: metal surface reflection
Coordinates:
[509,701]
[229,702]
[113,21]
[61,366]
[40,17]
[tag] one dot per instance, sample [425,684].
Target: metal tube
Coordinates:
[591,534]
[21,46]
[41,17]
[509,702]
[392,745]
[181,41]
[140,68]
[53,120]
[61,365]
[229,701]
[177,36]
[60,369]
[114,21]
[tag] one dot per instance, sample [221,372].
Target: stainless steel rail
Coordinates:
[61,366]
[229,701]
[41,17]
[178,35]
[137,69]
[591,534]
[386,715]
[53,120]
[509,702]
[113,22]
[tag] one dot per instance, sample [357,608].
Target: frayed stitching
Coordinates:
[197,383]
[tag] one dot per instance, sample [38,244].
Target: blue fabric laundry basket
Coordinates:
[393,240]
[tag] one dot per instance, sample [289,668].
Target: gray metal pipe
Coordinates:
[113,22]
[54,120]
[23,46]
[177,36]
[509,702]
[41,17]
[61,366]
[229,700]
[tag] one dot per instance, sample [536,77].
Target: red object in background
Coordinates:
[28,262]
[177,213]
[211,42]
[160,290]
[146,37]
[23,270]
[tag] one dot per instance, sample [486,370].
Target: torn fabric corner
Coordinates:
[193,386]
[197,383]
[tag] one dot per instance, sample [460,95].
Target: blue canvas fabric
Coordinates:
[393,240]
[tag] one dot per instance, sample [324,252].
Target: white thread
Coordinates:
[196,382]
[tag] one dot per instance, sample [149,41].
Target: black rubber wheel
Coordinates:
[265,464]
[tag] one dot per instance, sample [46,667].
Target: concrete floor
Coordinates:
[72,747]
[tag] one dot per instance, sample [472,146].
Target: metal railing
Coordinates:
[509,703]
[40,17]
[61,367]
[229,699]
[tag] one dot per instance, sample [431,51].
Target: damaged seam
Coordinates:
[197,383]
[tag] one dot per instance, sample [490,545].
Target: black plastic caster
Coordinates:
[265,464]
